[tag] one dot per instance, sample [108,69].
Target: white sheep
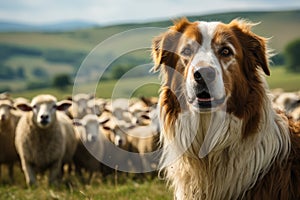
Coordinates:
[295,114]
[287,101]
[144,139]
[96,106]
[90,147]
[80,105]
[45,138]
[8,121]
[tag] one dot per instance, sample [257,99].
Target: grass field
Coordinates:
[280,78]
[114,188]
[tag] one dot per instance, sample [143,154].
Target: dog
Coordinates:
[221,138]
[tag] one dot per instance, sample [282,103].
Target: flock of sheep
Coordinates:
[87,134]
[82,134]
[287,101]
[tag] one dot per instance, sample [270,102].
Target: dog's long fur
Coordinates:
[243,150]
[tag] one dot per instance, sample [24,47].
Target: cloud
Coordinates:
[115,11]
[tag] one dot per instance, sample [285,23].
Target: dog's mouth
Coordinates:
[206,102]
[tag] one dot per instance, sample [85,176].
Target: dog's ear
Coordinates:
[163,49]
[164,46]
[254,47]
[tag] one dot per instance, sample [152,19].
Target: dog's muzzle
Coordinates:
[205,99]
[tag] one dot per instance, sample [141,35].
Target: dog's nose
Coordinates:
[205,75]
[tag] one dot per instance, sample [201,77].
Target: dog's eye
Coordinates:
[225,52]
[187,51]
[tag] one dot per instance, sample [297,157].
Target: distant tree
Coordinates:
[119,70]
[6,72]
[292,54]
[61,81]
[278,60]
[20,72]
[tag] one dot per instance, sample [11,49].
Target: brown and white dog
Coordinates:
[221,137]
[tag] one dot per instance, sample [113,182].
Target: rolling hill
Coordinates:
[50,53]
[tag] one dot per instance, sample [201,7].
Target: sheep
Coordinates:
[8,121]
[287,101]
[136,141]
[96,106]
[90,147]
[144,139]
[116,152]
[5,96]
[295,114]
[79,107]
[45,138]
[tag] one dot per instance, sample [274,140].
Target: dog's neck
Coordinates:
[215,153]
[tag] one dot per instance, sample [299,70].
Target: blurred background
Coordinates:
[103,47]
[44,43]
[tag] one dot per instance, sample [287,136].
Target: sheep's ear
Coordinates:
[5,95]
[103,121]
[107,128]
[254,46]
[145,116]
[92,96]
[63,105]
[76,122]
[24,107]
[69,98]
[12,107]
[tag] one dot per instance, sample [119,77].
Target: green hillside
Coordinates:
[32,59]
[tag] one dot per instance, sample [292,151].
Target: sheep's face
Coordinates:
[82,100]
[44,109]
[119,137]
[5,108]
[90,128]
[44,113]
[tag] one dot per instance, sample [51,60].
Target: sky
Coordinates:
[120,11]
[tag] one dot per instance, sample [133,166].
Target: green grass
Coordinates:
[119,187]
[281,78]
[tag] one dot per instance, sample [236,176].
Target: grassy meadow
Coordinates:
[281,78]
[115,187]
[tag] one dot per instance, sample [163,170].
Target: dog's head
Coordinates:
[206,65]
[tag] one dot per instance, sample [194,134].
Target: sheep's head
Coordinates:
[44,109]
[119,137]
[5,108]
[90,124]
